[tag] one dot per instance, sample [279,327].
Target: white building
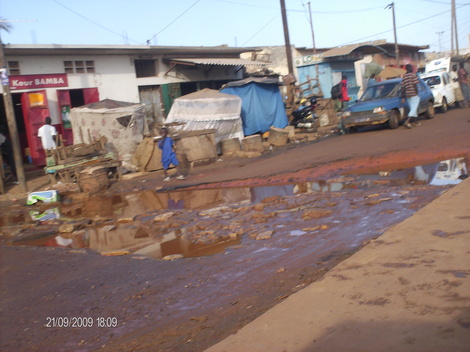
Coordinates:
[49,80]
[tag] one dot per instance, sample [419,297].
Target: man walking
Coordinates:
[464,83]
[409,90]
[47,134]
[454,79]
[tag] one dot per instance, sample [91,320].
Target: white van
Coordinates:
[441,87]
[439,65]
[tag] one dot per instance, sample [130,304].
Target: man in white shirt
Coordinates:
[454,79]
[47,134]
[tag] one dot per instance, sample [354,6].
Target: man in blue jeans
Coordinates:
[409,90]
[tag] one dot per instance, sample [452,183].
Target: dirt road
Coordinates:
[283,243]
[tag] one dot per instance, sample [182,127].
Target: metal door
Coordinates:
[63,99]
[151,96]
[35,110]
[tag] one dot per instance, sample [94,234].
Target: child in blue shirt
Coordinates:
[166,144]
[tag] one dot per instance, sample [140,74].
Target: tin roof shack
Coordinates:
[122,123]
[351,60]
[208,109]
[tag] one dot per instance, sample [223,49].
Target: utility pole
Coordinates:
[290,64]
[397,59]
[452,29]
[10,115]
[454,33]
[311,28]
[439,35]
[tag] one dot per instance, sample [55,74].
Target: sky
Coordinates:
[236,23]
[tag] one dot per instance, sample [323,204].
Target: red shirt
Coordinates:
[463,76]
[344,90]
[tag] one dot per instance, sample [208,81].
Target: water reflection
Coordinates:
[447,172]
[128,239]
[260,193]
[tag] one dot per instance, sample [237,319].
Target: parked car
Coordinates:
[441,88]
[381,103]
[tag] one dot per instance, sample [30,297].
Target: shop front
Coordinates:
[31,97]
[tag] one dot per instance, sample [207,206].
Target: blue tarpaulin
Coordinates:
[262,105]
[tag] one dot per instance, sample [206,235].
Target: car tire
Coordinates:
[444,107]
[394,119]
[429,114]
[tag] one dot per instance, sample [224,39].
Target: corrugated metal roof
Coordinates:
[348,49]
[171,51]
[219,61]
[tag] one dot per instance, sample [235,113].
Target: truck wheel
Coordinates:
[444,107]
[429,114]
[394,119]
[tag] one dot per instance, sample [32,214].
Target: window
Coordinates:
[79,66]
[90,66]
[14,67]
[145,68]
[68,66]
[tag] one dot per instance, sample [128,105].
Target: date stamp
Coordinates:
[81,322]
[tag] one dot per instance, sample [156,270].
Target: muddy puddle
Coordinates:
[448,172]
[119,223]
[113,241]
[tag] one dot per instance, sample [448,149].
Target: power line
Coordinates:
[189,8]
[254,35]
[318,12]
[85,18]
[405,25]
[439,2]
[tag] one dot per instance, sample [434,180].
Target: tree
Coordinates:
[5,25]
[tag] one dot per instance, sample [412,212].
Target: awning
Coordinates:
[219,61]
[214,62]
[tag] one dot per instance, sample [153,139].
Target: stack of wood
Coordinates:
[66,162]
[311,88]
[71,153]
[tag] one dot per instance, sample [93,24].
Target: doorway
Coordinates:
[71,98]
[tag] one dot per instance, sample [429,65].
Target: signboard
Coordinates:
[4,76]
[38,81]
[308,60]
[439,65]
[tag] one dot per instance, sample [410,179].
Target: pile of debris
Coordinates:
[88,164]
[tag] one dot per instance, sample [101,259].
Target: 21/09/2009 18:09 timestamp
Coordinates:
[81,322]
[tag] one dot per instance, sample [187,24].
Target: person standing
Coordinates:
[47,134]
[454,81]
[409,90]
[167,145]
[464,84]
[344,93]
